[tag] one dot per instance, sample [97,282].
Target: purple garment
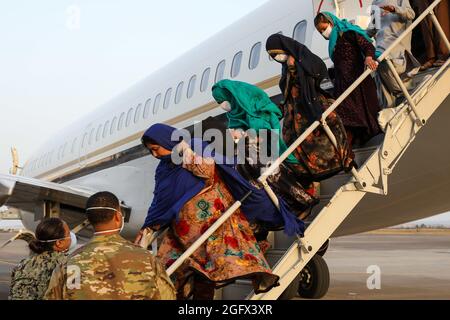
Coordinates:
[359,111]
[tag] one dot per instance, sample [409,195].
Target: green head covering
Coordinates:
[251,108]
[341,26]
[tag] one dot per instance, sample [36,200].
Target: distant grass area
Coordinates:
[428,231]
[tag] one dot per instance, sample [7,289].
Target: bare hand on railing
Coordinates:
[371,63]
[141,233]
[390,9]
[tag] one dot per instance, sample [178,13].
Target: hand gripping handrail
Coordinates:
[359,184]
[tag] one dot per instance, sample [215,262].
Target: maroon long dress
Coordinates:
[359,111]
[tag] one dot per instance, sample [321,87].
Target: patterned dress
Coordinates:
[299,195]
[318,157]
[230,253]
[359,111]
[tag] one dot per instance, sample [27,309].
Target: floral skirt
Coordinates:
[230,253]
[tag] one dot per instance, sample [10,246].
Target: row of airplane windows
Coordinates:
[138,113]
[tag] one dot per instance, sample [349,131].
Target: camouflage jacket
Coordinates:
[30,279]
[111,268]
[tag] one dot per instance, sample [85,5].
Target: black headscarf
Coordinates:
[311,70]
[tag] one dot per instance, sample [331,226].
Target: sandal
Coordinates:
[439,63]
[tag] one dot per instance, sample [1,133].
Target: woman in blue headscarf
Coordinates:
[189,197]
[351,50]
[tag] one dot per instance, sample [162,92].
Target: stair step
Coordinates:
[329,186]
[242,288]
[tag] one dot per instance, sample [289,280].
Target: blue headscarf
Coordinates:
[341,26]
[174,186]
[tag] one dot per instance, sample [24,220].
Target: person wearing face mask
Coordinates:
[30,279]
[252,109]
[189,197]
[304,102]
[110,267]
[351,50]
[395,17]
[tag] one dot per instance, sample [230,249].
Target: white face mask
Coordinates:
[112,230]
[327,32]
[281,57]
[226,105]
[73,241]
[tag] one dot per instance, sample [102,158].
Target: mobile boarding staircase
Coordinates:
[342,193]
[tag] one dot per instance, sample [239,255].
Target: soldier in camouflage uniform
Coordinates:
[110,267]
[30,279]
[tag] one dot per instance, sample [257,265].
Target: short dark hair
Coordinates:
[320,18]
[48,229]
[101,199]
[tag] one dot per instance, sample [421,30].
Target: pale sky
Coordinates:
[54,68]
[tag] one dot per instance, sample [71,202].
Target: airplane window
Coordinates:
[129,114]
[220,71]
[83,143]
[99,132]
[113,125]
[105,129]
[91,136]
[137,114]
[74,143]
[121,120]
[178,92]
[147,108]
[157,103]
[167,98]
[300,31]
[191,86]
[255,54]
[205,80]
[236,65]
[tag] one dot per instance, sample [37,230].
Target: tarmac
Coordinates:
[411,265]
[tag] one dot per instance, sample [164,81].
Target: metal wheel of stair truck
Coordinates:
[314,279]
[323,249]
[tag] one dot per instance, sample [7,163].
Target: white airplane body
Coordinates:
[102,151]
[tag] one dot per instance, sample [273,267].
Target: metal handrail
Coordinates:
[307,132]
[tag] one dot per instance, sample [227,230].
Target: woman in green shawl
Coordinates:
[351,50]
[250,108]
